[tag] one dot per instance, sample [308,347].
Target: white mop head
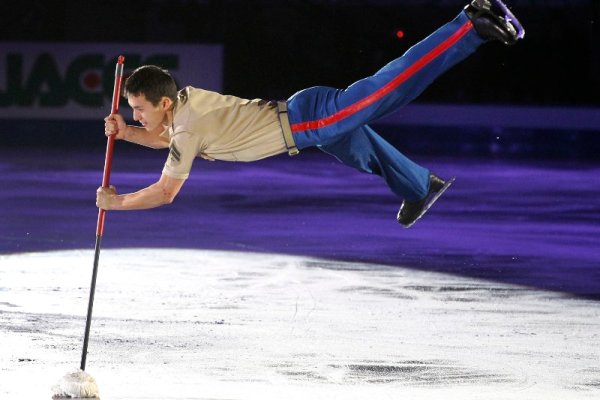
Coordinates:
[77,384]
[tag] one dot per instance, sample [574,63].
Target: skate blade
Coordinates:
[432,200]
[510,18]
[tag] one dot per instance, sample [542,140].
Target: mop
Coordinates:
[80,384]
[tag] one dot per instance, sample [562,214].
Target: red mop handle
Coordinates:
[110,143]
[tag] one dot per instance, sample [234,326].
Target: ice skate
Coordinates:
[494,21]
[411,211]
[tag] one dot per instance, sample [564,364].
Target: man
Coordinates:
[195,122]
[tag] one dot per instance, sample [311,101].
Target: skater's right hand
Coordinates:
[105,197]
[114,124]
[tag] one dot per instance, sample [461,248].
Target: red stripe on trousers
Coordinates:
[390,86]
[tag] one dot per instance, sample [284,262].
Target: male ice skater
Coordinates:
[195,122]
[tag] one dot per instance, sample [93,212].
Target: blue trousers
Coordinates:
[336,120]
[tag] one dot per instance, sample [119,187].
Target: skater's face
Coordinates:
[150,116]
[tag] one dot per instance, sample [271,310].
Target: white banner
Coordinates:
[75,81]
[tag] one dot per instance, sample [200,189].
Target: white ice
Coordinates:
[195,324]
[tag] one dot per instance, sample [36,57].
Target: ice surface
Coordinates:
[194,324]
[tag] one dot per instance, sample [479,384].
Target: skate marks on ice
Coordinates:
[177,324]
[409,372]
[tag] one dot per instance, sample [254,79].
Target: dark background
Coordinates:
[274,48]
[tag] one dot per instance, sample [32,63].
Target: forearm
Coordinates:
[139,135]
[151,197]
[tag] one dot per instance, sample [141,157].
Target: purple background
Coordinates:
[521,221]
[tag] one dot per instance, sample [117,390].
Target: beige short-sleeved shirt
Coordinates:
[218,127]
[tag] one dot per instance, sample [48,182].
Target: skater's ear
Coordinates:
[166,103]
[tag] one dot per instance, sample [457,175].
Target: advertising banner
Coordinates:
[75,81]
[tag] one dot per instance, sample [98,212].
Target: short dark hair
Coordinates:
[153,82]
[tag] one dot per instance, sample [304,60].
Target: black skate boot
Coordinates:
[411,211]
[494,21]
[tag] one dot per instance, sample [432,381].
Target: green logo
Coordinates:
[88,79]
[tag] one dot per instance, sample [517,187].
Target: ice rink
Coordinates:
[192,324]
[289,278]
[279,279]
